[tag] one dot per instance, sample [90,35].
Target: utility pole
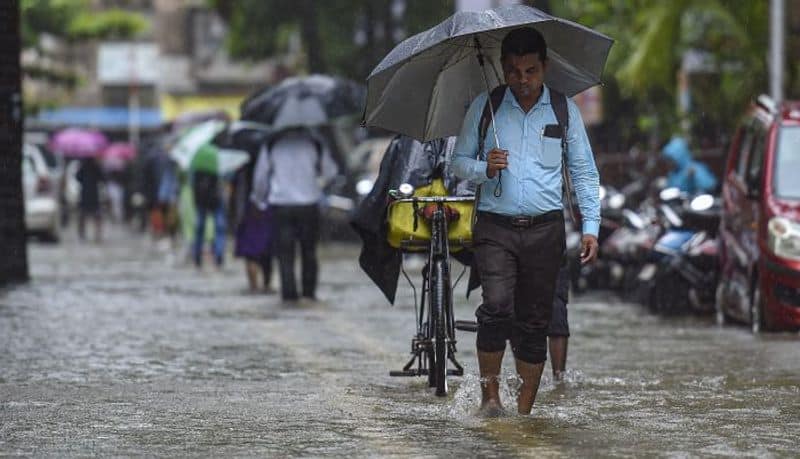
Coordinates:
[13,248]
[777,25]
[133,96]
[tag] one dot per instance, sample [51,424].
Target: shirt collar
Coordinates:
[544,99]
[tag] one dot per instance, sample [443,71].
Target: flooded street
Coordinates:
[122,349]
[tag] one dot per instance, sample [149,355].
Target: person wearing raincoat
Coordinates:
[688,175]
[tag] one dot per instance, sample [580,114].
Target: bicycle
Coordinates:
[434,343]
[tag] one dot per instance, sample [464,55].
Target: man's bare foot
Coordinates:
[491,408]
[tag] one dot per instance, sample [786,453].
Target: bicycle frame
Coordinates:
[435,280]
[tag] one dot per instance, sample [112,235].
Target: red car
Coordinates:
[760,227]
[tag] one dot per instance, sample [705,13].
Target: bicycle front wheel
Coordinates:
[439,297]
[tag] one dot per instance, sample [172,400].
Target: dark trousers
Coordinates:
[518,269]
[297,224]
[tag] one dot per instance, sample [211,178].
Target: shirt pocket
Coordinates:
[550,152]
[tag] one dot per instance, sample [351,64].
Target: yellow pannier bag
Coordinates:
[400,216]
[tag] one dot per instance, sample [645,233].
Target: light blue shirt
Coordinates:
[532,181]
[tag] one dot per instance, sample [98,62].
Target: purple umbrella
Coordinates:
[78,143]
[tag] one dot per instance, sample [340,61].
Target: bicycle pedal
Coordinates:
[466,325]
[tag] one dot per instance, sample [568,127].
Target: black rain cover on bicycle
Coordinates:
[405,161]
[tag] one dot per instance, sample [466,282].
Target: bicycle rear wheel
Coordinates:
[439,296]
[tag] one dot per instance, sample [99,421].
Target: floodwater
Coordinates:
[122,349]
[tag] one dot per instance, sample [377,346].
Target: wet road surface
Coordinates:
[122,349]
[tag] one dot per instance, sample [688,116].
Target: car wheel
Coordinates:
[719,306]
[757,311]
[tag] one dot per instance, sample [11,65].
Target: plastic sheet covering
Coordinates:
[405,161]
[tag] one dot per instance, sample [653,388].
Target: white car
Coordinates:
[40,193]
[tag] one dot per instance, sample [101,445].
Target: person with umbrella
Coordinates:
[519,234]
[290,167]
[294,164]
[90,175]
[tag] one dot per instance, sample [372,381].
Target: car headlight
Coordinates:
[783,238]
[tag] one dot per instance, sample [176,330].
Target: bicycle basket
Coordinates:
[400,216]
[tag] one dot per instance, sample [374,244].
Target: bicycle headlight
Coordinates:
[783,238]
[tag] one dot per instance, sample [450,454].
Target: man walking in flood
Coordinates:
[519,234]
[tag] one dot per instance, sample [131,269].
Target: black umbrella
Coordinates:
[424,86]
[305,101]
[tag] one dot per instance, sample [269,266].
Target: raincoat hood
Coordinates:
[677,150]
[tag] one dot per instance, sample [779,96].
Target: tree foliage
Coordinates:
[652,39]
[73,20]
[346,37]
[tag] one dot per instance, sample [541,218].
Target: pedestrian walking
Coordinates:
[254,227]
[90,175]
[291,166]
[519,234]
[208,201]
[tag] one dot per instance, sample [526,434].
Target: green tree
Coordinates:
[345,37]
[651,40]
[73,20]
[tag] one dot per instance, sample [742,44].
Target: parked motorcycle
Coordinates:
[682,271]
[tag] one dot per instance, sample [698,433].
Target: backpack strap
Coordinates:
[558,101]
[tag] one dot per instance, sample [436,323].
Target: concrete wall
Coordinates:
[13,249]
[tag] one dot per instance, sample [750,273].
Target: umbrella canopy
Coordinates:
[117,155]
[424,86]
[304,101]
[121,150]
[189,143]
[78,143]
[195,151]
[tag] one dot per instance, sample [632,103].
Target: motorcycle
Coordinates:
[682,271]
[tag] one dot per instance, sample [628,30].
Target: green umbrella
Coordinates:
[195,151]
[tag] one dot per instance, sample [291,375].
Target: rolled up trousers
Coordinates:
[518,269]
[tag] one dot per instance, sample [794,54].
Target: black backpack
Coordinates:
[558,101]
[205,187]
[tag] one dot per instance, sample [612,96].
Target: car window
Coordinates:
[755,159]
[787,162]
[744,148]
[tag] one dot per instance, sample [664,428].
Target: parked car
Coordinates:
[40,193]
[760,227]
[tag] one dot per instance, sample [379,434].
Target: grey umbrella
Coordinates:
[304,101]
[424,86]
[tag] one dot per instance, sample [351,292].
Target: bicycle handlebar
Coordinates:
[437,199]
